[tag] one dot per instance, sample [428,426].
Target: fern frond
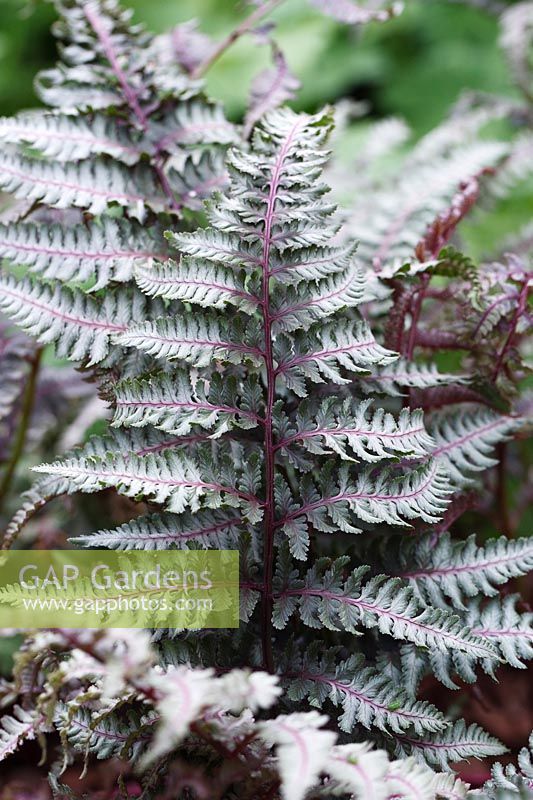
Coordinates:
[196,339]
[176,401]
[90,185]
[326,598]
[195,282]
[211,529]
[298,308]
[16,729]
[98,53]
[168,478]
[443,568]
[194,180]
[500,623]
[81,327]
[63,138]
[347,429]
[386,499]
[97,254]
[465,438]
[312,264]
[511,780]
[389,233]
[81,88]
[323,354]
[192,122]
[45,489]
[456,743]
[107,735]
[365,696]
[394,378]
[212,245]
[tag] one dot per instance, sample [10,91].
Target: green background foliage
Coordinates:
[413,67]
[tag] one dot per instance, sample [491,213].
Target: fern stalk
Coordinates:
[262,11]
[130,96]
[519,312]
[271,387]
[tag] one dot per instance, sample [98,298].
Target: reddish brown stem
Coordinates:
[247,25]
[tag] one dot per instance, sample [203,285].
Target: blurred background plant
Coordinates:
[415,67]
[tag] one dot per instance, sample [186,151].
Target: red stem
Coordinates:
[416,316]
[130,96]
[270,523]
[520,309]
[247,25]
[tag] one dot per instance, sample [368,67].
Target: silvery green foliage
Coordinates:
[254,408]
[457,742]
[293,751]
[465,439]
[16,728]
[297,333]
[510,781]
[325,598]
[82,326]
[426,183]
[445,570]
[148,149]
[96,256]
[509,630]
